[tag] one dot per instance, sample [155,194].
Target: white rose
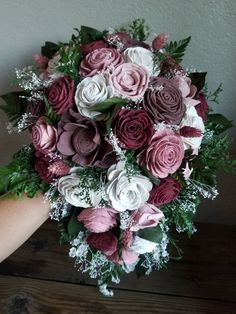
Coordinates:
[69,187]
[192,119]
[126,193]
[142,246]
[142,57]
[91,91]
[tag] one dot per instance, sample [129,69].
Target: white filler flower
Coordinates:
[142,57]
[126,193]
[91,91]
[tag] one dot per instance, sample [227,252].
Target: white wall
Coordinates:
[26,24]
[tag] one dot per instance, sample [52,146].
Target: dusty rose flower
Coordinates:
[133,128]
[100,60]
[146,216]
[202,108]
[164,101]
[160,41]
[105,242]
[164,153]
[130,80]
[60,94]
[85,49]
[44,136]
[59,168]
[165,192]
[98,220]
[80,139]
[41,166]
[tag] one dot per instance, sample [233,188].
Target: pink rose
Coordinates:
[44,136]
[164,153]
[41,166]
[100,60]
[105,242]
[60,94]
[133,128]
[160,41]
[98,220]
[146,216]
[130,80]
[85,49]
[165,192]
[203,107]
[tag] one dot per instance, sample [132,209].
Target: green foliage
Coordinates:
[109,104]
[52,117]
[152,234]
[198,79]
[218,123]
[19,177]
[139,30]
[213,96]
[49,49]
[15,105]
[89,34]
[176,49]
[74,226]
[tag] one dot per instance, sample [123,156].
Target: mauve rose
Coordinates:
[41,166]
[164,101]
[146,216]
[122,40]
[100,60]
[60,94]
[160,41]
[133,128]
[164,153]
[85,49]
[165,192]
[203,107]
[130,80]
[80,139]
[44,136]
[105,242]
[98,220]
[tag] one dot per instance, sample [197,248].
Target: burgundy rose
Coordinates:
[100,60]
[130,80]
[60,94]
[165,192]
[80,140]
[133,128]
[164,101]
[106,242]
[41,166]
[164,153]
[203,107]
[85,49]
[44,136]
[122,40]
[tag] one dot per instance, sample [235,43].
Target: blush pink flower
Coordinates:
[160,41]
[44,136]
[164,153]
[98,220]
[146,216]
[165,192]
[130,80]
[100,60]
[105,242]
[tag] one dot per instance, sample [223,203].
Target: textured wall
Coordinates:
[26,24]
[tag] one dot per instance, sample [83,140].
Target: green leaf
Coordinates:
[74,226]
[152,234]
[15,105]
[139,30]
[198,79]
[50,114]
[89,34]
[150,176]
[108,104]
[49,49]
[176,49]
[219,122]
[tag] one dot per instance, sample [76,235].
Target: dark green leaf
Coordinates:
[49,49]
[152,234]
[150,176]
[198,79]
[50,114]
[108,104]
[219,122]
[15,105]
[89,34]
[74,226]
[176,49]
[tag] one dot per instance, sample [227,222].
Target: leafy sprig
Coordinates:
[176,49]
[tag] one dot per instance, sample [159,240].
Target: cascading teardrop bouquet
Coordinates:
[123,146]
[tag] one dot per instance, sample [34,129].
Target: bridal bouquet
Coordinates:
[123,146]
